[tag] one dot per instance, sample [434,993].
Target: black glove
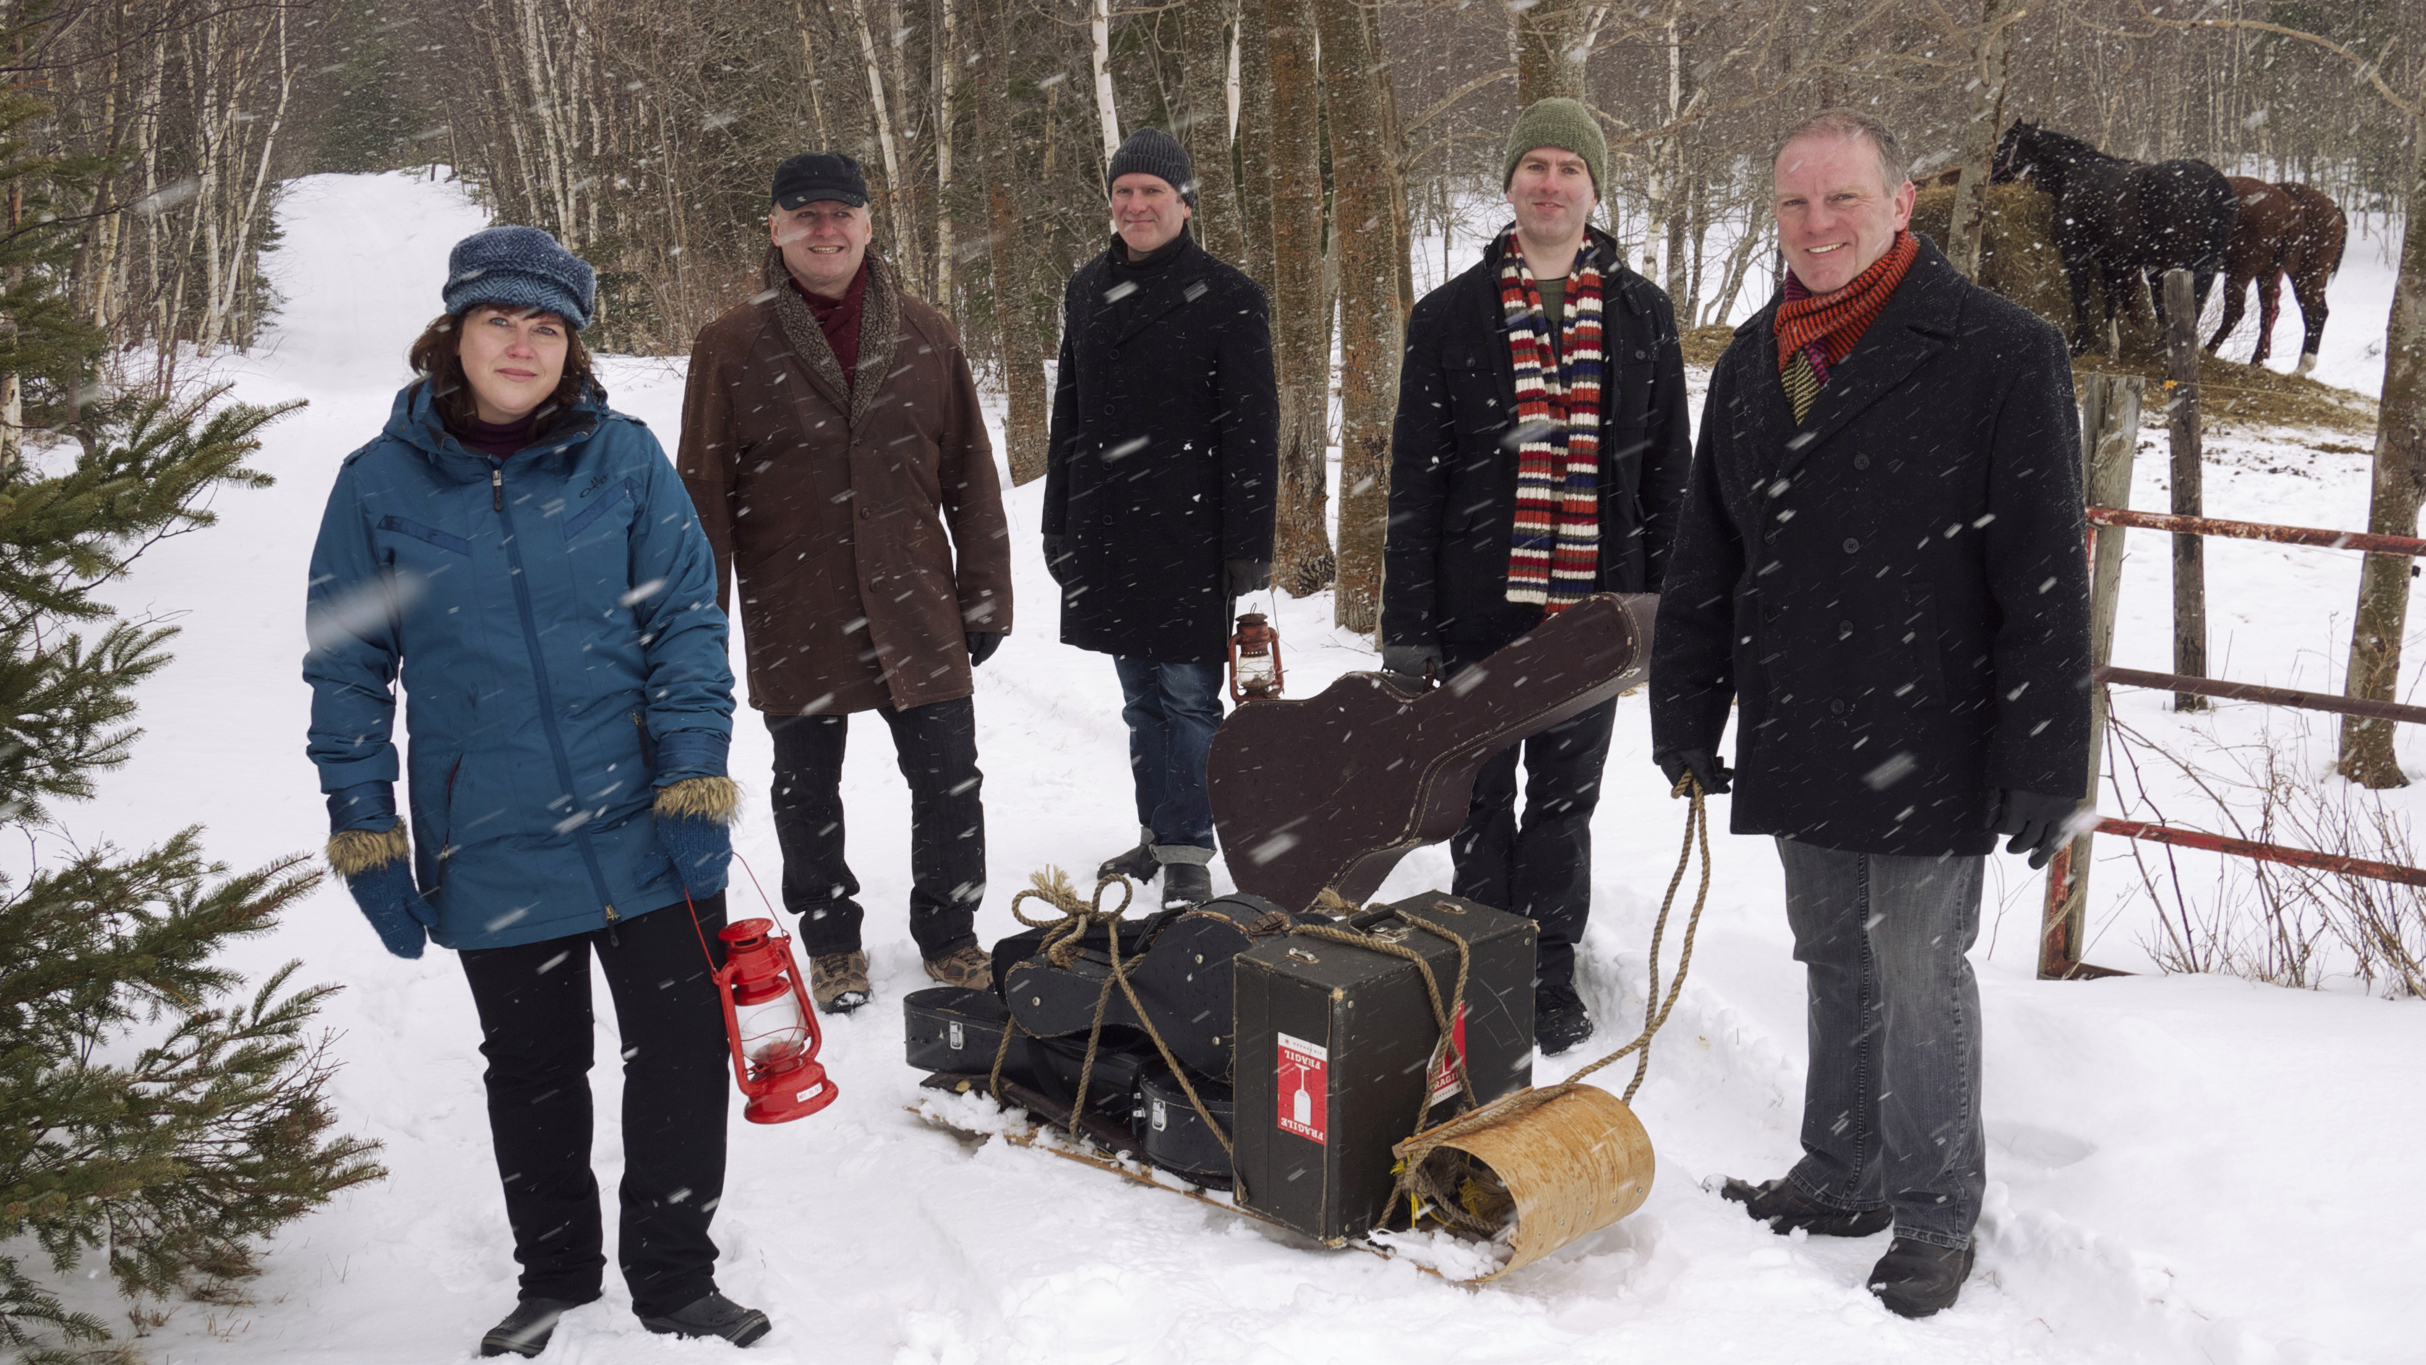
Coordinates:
[1707,768]
[982,644]
[2036,821]
[1057,562]
[1246,575]
[1413,661]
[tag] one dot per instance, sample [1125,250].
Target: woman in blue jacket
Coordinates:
[525,561]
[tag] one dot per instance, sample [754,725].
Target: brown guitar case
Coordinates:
[1332,790]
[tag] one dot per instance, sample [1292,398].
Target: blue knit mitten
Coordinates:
[377,865]
[695,829]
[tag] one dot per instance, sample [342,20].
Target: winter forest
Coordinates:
[232,1128]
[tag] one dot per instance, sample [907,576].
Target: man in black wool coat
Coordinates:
[1160,485]
[1538,456]
[1880,567]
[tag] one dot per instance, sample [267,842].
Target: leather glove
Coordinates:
[1057,560]
[2036,821]
[376,865]
[982,644]
[1246,575]
[1413,661]
[1707,768]
[694,819]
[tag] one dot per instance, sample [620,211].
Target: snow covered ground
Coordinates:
[2181,1168]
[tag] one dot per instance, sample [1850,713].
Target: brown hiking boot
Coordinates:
[838,982]
[971,968]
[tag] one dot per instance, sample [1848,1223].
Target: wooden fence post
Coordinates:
[2182,419]
[2110,437]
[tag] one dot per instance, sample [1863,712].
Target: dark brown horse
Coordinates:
[2116,221]
[2281,230]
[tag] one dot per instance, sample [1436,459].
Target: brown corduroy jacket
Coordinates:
[830,504]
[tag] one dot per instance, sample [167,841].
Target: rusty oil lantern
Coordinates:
[1254,660]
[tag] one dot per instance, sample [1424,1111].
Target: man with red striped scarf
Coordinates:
[1879,570]
[1539,455]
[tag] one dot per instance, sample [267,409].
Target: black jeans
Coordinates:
[1891,1104]
[937,748]
[535,1029]
[1541,869]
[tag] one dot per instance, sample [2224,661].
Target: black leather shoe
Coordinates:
[713,1316]
[526,1330]
[1137,865]
[1560,1021]
[1916,1278]
[1785,1208]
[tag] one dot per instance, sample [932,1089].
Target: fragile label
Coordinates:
[1304,1089]
[1444,1076]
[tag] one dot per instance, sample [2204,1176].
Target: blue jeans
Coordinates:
[1172,711]
[1891,1105]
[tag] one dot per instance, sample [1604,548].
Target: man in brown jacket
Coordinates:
[830,435]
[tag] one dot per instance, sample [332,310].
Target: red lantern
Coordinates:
[1254,660]
[770,1026]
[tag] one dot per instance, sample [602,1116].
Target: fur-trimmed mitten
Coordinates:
[694,827]
[377,865]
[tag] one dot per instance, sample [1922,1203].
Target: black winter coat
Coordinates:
[1164,455]
[1894,594]
[1453,457]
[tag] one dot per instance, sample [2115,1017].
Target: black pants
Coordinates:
[535,1029]
[936,745]
[1541,869]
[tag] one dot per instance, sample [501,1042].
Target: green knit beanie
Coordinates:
[1562,123]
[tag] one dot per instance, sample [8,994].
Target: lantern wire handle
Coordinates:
[694,909]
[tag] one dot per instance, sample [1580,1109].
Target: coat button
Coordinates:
[1769,537]
[866,512]
[1861,462]
[1852,545]
[1836,708]
[1844,630]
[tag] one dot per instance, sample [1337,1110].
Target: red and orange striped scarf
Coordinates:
[1825,327]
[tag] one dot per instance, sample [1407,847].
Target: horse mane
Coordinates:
[2064,144]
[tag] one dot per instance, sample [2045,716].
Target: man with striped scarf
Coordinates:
[1539,455]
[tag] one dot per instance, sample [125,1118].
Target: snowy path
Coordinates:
[2193,1169]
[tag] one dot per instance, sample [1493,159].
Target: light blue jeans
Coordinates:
[1891,1104]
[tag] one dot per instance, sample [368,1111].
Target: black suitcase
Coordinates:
[1339,1057]
[1175,1135]
[951,1028]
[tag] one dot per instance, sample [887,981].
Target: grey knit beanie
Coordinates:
[519,267]
[1154,152]
[1562,123]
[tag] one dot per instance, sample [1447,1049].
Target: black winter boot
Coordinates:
[1784,1207]
[1560,1021]
[1138,864]
[526,1330]
[713,1316]
[1186,884]
[1916,1278]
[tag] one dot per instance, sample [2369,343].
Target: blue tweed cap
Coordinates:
[520,267]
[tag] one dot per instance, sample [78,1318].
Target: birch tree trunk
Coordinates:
[895,227]
[2400,466]
[1303,564]
[1099,31]
[1969,222]
[1363,172]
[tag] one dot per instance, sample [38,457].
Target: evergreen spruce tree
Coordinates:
[155,1116]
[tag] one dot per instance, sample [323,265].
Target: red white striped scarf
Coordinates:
[1554,550]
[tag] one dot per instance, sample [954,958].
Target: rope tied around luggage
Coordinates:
[1064,937]
[1445,1016]
[1423,1187]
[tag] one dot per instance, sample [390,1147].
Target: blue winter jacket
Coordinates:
[553,617]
